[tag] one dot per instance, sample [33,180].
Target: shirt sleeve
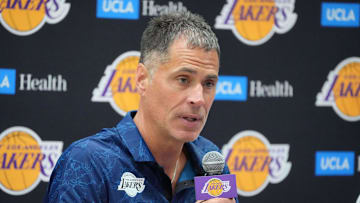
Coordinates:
[77,177]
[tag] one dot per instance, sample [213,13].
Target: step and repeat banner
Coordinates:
[286,113]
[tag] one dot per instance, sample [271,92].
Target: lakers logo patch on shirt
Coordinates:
[131,184]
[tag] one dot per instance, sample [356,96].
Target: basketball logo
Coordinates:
[118,85]
[25,17]
[254,22]
[214,187]
[25,160]
[256,162]
[342,90]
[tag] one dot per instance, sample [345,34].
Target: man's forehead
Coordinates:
[182,41]
[191,45]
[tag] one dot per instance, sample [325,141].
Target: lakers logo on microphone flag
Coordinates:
[220,186]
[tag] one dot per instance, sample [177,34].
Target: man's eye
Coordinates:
[183,80]
[209,84]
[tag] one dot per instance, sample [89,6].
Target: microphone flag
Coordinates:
[217,186]
[214,184]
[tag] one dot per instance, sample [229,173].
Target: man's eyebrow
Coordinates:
[189,70]
[192,71]
[212,76]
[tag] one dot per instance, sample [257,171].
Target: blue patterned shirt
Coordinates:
[115,165]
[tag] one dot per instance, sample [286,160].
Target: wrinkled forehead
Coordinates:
[183,43]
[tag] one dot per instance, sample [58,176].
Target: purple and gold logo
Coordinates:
[25,17]
[215,187]
[255,22]
[25,160]
[118,85]
[341,91]
[256,162]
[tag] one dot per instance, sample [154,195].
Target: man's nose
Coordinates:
[196,96]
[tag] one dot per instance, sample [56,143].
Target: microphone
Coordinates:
[213,184]
[213,163]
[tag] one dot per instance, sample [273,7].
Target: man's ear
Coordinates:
[142,78]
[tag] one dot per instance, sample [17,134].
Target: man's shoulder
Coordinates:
[96,154]
[100,140]
[106,143]
[84,167]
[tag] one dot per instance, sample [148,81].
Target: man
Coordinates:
[151,155]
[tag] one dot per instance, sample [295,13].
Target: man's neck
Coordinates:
[164,148]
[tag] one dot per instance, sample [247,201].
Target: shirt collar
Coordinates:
[139,150]
[133,140]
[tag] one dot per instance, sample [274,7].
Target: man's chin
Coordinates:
[186,136]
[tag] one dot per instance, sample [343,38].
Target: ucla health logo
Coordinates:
[255,22]
[25,160]
[341,91]
[7,81]
[25,17]
[120,9]
[256,162]
[231,88]
[340,14]
[334,163]
[118,85]
[130,9]
[29,82]
[235,88]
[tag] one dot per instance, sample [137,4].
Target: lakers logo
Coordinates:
[25,160]
[118,85]
[216,187]
[25,17]
[256,162]
[254,22]
[342,90]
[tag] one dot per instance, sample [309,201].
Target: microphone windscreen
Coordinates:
[213,163]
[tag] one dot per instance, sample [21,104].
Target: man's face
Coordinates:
[181,91]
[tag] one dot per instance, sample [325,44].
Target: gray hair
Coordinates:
[163,30]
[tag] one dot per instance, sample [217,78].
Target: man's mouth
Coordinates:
[192,118]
